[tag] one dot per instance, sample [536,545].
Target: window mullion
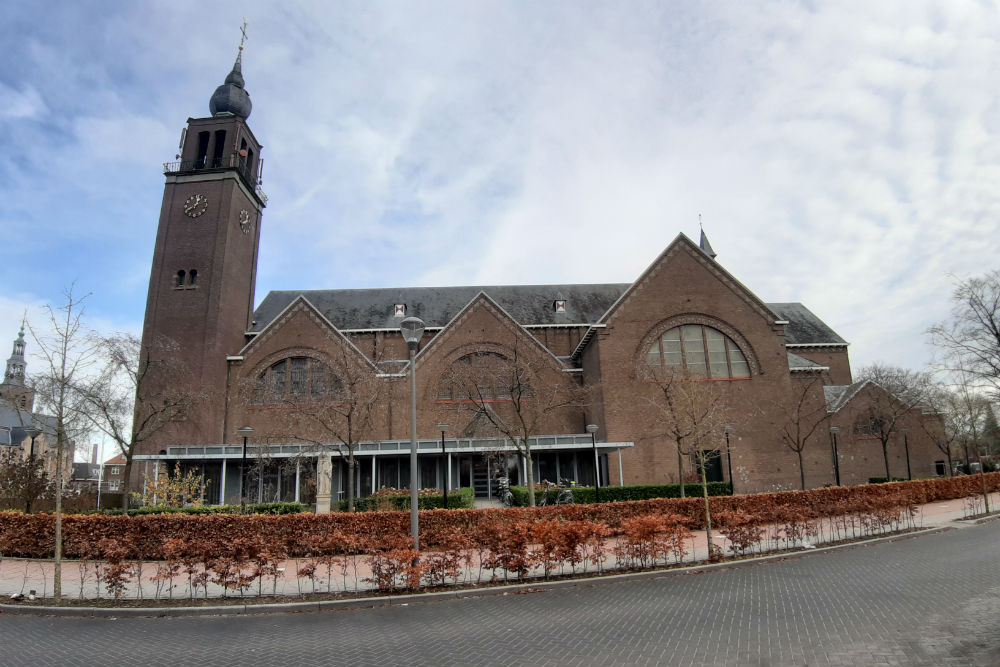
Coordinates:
[708,357]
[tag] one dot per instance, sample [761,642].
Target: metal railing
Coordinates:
[204,164]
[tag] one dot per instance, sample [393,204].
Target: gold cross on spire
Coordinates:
[243,30]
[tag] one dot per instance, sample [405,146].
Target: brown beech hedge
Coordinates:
[306,535]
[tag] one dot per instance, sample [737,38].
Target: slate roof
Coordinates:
[839,395]
[797,363]
[436,306]
[18,419]
[353,309]
[804,328]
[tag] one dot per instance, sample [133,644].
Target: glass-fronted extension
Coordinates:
[287,472]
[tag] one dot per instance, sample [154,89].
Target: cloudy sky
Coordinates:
[846,155]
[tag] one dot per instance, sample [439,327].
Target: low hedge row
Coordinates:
[299,535]
[459,499]
[255,508]
[586,494]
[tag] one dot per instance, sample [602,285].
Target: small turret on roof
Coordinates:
[706,246]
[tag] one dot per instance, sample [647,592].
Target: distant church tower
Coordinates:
[201,288]
[14,388]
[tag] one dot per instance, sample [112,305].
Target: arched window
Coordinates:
[192,276]
[484,376]
[699,351]
[295,380]
[179,282]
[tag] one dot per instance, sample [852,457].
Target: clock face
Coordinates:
[195,205]
[245,223]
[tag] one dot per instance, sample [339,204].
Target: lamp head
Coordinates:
[32,432]
[245,430]
[728,429]
[412,329]
[443,427]
[834,429]
[591,428]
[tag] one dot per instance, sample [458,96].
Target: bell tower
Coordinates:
[13,387]
[201,287]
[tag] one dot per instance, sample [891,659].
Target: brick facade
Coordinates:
[588,337]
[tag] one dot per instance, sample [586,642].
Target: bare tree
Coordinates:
[942,422]
[68,354]
[113,404]
[804,416]
[513,389]
[693,413]
[337,402]
[904,390]
[23,479]
[970,341]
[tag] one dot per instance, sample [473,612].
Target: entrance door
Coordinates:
[713,466]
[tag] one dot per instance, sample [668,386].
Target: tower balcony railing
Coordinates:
[238,163]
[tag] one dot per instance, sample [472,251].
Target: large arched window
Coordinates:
[483,377]
[698,351]
[294,380]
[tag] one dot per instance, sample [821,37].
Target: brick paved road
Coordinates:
[931,600]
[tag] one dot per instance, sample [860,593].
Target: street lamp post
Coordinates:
[906,448]
[412,329]
[592,430]
[729,462]
[834,430]
[246,432]
[32,433]
[443,426]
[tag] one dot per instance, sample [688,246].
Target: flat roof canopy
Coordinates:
[542,443]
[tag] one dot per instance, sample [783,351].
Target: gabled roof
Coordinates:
[482,298]
[354,309]
[682,242]
[287,311]
[839,395]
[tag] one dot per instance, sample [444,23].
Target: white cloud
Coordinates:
[841,155]
[26,103]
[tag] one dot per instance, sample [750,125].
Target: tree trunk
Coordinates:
[57,565]
[126,485]
[680,469]
[951,466]
[350,480]
[885,455]
[802,470]
[529,472]
[708,506]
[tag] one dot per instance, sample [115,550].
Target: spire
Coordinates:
[16,364]
[231,98]
[703,241]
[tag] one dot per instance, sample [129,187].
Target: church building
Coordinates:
[295,395]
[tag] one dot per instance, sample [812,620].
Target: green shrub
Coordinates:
[460,499]
[586,494]
[256,508]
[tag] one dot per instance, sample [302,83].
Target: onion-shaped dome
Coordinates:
[231,98]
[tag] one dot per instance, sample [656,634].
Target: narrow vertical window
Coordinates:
[199,162]
[192,276]
[220,148]
[179,281]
